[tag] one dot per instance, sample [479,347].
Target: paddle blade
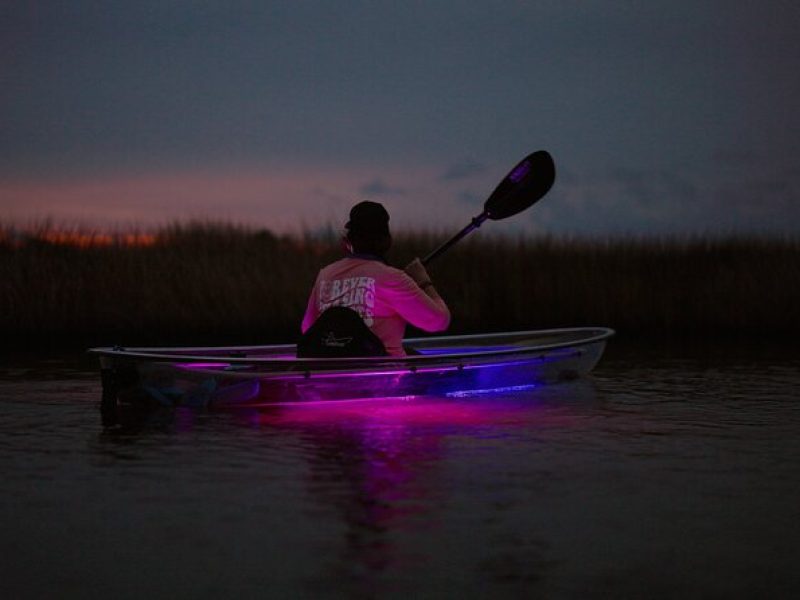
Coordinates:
[527,183]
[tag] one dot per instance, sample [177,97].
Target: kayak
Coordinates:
[259,375]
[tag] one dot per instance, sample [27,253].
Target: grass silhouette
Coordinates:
[217,283]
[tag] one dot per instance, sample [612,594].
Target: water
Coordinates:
[662,476]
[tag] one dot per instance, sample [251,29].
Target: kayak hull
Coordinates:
[258,375]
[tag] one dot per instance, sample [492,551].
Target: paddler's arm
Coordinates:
[416,270]
[418,301]
[312,312]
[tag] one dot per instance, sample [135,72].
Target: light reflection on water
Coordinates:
[657,477]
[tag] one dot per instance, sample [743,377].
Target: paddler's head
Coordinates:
[368,229]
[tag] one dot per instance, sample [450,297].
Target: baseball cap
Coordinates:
[369,219]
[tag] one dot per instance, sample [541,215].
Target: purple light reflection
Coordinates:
[401,369]
[314,403]
[397,369]
[377,460]
[434,411]
[490,391]
[520,171]
[462,350]
[201,365]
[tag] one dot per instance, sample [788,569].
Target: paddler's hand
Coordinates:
[417,272]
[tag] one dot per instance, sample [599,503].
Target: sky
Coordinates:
[661,116]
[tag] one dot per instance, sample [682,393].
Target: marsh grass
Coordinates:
[207,283]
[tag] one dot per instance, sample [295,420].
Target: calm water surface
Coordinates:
[664,475]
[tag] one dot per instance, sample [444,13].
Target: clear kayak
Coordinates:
[256,375]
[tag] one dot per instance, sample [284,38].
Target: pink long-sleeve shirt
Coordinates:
[385,297]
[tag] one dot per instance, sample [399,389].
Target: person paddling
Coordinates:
[386,298]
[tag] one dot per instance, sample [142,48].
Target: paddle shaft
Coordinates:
[474,224]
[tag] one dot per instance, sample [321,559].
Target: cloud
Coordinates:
[463,170]
[468,197]
[377,187]
[676,201]
[757,199]
[328,195]
[646,187]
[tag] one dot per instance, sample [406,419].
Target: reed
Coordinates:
[220,283]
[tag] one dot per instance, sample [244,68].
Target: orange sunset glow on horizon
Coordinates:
[284,200]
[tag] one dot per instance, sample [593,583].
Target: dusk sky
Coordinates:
[662,117]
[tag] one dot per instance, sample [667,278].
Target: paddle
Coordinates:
[526,184]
